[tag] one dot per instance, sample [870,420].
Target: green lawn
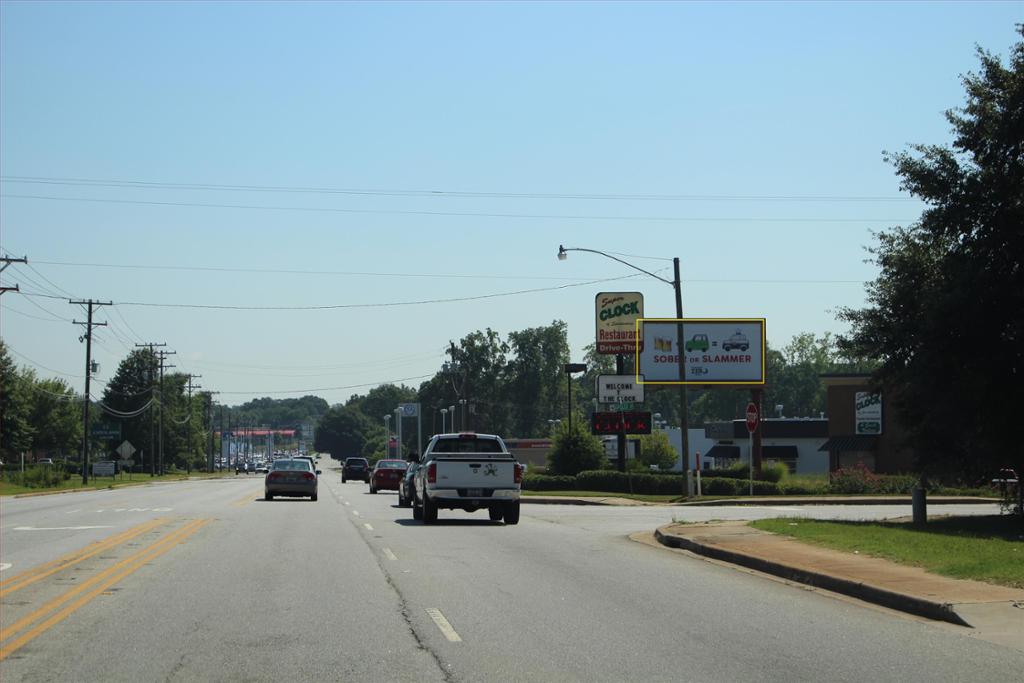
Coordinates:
[982,548]
[605,494]
[75,482]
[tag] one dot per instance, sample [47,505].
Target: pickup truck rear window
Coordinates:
[467,446]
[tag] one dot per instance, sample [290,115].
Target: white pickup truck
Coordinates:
[467,472]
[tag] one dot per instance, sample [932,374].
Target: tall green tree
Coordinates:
[536,381]
[128,391]
[15,429]
[342,432]
[946,313]
[56,415]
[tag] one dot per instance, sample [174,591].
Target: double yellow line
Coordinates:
[42,571]
[22,631]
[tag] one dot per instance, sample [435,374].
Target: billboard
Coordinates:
[714,350]
[616,315]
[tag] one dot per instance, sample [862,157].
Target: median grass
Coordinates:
[987,549]
[8,488]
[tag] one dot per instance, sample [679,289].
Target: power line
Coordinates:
[346,306]
[350,386]
[142,184]
[468,214]
[292,271]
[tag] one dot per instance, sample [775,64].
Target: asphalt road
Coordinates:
[205,581]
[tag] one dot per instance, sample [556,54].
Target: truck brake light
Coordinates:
[432,473]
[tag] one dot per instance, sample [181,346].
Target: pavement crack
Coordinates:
[403,605]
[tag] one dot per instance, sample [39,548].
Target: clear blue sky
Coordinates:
[680,101]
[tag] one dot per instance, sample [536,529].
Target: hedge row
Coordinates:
[544,482]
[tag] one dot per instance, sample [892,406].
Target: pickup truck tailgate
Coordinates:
[468,473]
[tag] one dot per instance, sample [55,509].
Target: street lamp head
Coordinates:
[562,255]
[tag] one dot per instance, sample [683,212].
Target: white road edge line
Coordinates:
[390,555]
[442,623]
[368,527]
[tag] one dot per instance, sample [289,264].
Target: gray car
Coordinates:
[291,478]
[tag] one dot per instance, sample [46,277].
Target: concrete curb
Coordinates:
[539,500]
[879,596]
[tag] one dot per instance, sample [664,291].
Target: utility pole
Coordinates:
[209,426]
[87,337]
[160,437]
[152,397]
[6,262]
[188,422]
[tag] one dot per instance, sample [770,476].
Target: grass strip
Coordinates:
[989,548]
[604,494]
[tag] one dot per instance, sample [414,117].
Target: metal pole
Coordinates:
[620,438]
[684,420]
[398,431]
[751,464]
[419,428]
[85,412]
[568,402]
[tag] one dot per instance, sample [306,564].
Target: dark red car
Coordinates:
[387,474]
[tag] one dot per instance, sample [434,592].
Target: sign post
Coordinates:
[752,419]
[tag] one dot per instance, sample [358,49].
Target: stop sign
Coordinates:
[751,417]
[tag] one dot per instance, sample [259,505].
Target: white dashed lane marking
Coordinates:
[355,512]
[442,623]
[390,555]
[7,565]
[368,527]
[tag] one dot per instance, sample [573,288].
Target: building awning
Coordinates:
[723,452]
[779,452]
[842,444]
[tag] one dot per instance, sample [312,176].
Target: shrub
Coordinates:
[39,477]
[726,486]
[626,482]
[775,472]
[542,482]
[575,451]
[738,471]
[801,488]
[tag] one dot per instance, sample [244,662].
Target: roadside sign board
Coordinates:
[103,468]
[868,416]
[714,350]
[616,316]
[126,449]
[631,422]
[619,389]
[752,417]
[106,430]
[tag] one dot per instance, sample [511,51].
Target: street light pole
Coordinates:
[387,436]
[444,413]
[676,284]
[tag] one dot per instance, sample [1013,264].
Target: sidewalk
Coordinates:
[909,589]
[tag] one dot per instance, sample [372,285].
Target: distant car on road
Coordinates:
[263,468]
[290,478]
[387,474]
[405,485]
[355,468]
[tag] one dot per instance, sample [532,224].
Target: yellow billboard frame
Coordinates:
[764,350]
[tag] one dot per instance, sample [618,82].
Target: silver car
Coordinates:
[291,478]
